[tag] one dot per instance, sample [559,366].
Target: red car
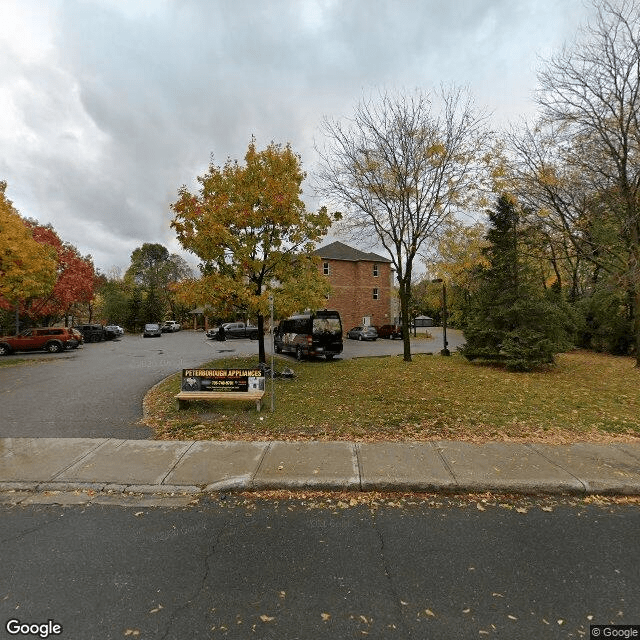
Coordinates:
[51,339]
[390,331]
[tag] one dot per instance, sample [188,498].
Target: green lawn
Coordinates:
[586,396]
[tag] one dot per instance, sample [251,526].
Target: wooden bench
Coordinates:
[184,396]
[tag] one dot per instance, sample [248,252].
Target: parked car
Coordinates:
[117,330]
[389,331]
[235,330]
[92,332]
[51,339]
[78,336]
[171,326]
[362,333]
[152,330]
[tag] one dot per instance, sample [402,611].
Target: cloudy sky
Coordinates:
[107,107]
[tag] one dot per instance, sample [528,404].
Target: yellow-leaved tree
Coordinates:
[254,236]
[27,267]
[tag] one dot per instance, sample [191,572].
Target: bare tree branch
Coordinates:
[399,167]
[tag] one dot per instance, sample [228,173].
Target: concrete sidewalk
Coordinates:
[188,467]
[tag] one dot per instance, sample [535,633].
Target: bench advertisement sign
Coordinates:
[222,380]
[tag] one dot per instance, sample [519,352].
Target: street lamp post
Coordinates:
[445,351]
[273,348]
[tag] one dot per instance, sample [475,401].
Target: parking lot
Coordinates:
[98,389]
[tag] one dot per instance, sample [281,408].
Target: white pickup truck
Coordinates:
[171,325]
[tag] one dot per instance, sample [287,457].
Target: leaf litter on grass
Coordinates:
[586,397]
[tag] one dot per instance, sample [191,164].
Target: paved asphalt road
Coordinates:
[283,571]
[97,391]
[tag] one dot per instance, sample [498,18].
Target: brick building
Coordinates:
[361,283]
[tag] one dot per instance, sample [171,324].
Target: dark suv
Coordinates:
[51,339]
[92,332]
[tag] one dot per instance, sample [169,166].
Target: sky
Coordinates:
[108,107]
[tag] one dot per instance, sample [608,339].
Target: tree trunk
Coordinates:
[404,311]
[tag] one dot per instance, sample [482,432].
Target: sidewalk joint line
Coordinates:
[438,450]
[585,485]
[262,457]
[77,460]
[356,453]
[177,462]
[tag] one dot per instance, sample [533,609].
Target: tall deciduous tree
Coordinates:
[250,228]
[400,166]
[591,91]
[27,268]
[155,271]
[75,278]
[456,258]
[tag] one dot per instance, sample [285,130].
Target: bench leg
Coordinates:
[258,405]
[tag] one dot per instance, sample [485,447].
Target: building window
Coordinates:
[375,271]
[375,294]
[325,268]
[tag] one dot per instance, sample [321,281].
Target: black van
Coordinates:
[310,334]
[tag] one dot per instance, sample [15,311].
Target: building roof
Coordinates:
[341,251]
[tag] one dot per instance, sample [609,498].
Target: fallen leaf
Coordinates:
[428,612]
[132,632]
[511,617]
[283,594]
[325,617]
[479,507]
[266,618]
[156,609]
[138,513]
[466,611]
[548,509]
[561,621]
[521,510]
[497,595]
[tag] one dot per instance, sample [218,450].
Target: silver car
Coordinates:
[362,333]
[151,331]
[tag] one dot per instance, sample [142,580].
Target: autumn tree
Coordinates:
[27,267]
[455,257]
[590,92]
[399,167]
[75,278]
[154,272]
[113,298]
[254,236]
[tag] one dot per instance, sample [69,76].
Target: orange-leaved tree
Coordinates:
[75,278]
[254,236]
[27,268]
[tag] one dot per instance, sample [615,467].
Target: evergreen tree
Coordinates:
[510,318]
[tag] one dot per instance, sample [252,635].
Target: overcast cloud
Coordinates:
[108,106]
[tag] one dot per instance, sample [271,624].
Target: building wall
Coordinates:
[352,284]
